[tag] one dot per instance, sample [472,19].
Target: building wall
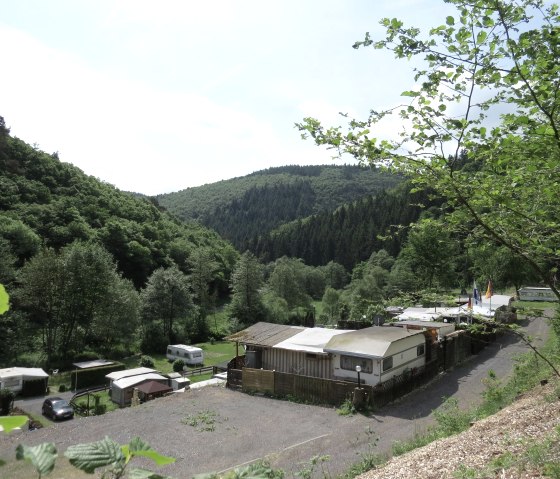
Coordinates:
[405,356]
[15,383]
[296,362]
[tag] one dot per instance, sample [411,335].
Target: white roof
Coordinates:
[185,347]
[420,314]
[17,371]
[311,340]
[377,341]
[124,383]
[129,372]
[95,363]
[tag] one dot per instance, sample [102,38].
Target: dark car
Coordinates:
[57,408]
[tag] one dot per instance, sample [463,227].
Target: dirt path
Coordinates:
[243,428]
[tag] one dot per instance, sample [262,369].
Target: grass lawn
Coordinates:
[538,305]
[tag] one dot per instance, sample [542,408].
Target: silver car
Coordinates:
[57,408]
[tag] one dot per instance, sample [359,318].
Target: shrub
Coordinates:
[147,361]
[7,397]
[62,388]
[178,365]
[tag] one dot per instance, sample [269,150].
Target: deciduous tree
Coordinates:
[489,86]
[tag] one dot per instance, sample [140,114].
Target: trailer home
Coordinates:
[529,293]
[191,355]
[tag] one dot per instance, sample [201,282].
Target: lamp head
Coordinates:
[358,369]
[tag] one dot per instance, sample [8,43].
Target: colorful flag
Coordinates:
[489,289]
[469,304]
[476,294]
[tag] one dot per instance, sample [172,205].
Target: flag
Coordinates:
[476,294]
[489,289]
[469,304]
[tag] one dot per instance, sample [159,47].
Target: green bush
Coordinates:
[178,365]
[147,361]
[62,388]
[7,397]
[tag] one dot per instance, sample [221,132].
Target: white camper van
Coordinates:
[191,355]
[532,293]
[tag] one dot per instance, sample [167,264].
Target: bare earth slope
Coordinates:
[529,420]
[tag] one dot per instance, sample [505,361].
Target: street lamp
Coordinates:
[359,370]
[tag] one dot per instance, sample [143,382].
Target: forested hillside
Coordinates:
[88,267]
[348,235]
[44,202]
[244,208]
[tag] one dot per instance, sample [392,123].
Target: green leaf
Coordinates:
[9,423]
[144,474]
[450,20]
[410,93]
[42,456]
[158,458]
[4,300]
[481,37]
[89,457]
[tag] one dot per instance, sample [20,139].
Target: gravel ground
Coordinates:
[246,428]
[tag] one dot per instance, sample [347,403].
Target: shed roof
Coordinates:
[95,363]
[124,383]
[151,387]
[311,340]
[376,341]
[129,372]
[17,371]
[265,334]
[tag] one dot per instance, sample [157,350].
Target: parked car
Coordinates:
[57,408]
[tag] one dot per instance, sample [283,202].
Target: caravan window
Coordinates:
[387,363]
[420,350]
[169,351]
[350,362]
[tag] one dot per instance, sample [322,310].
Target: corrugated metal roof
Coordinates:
[265,334]
[368,342]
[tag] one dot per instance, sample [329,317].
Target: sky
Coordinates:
[155,97]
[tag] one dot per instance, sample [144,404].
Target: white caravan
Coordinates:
[191,355]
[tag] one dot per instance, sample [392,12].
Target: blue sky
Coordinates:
[156,97]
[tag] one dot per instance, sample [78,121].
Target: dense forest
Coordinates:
[350,233]
[75,253]
[242,209]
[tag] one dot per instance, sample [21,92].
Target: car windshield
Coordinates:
[60,403]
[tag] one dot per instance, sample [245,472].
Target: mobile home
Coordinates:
[530,293]
[191,355]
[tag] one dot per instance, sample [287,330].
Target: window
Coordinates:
[310,356]
[420,350]
[387,363]
[350,362]
[169,351]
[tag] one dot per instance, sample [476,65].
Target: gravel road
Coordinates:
[246,428]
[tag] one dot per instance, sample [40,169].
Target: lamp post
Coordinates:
[359,370]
